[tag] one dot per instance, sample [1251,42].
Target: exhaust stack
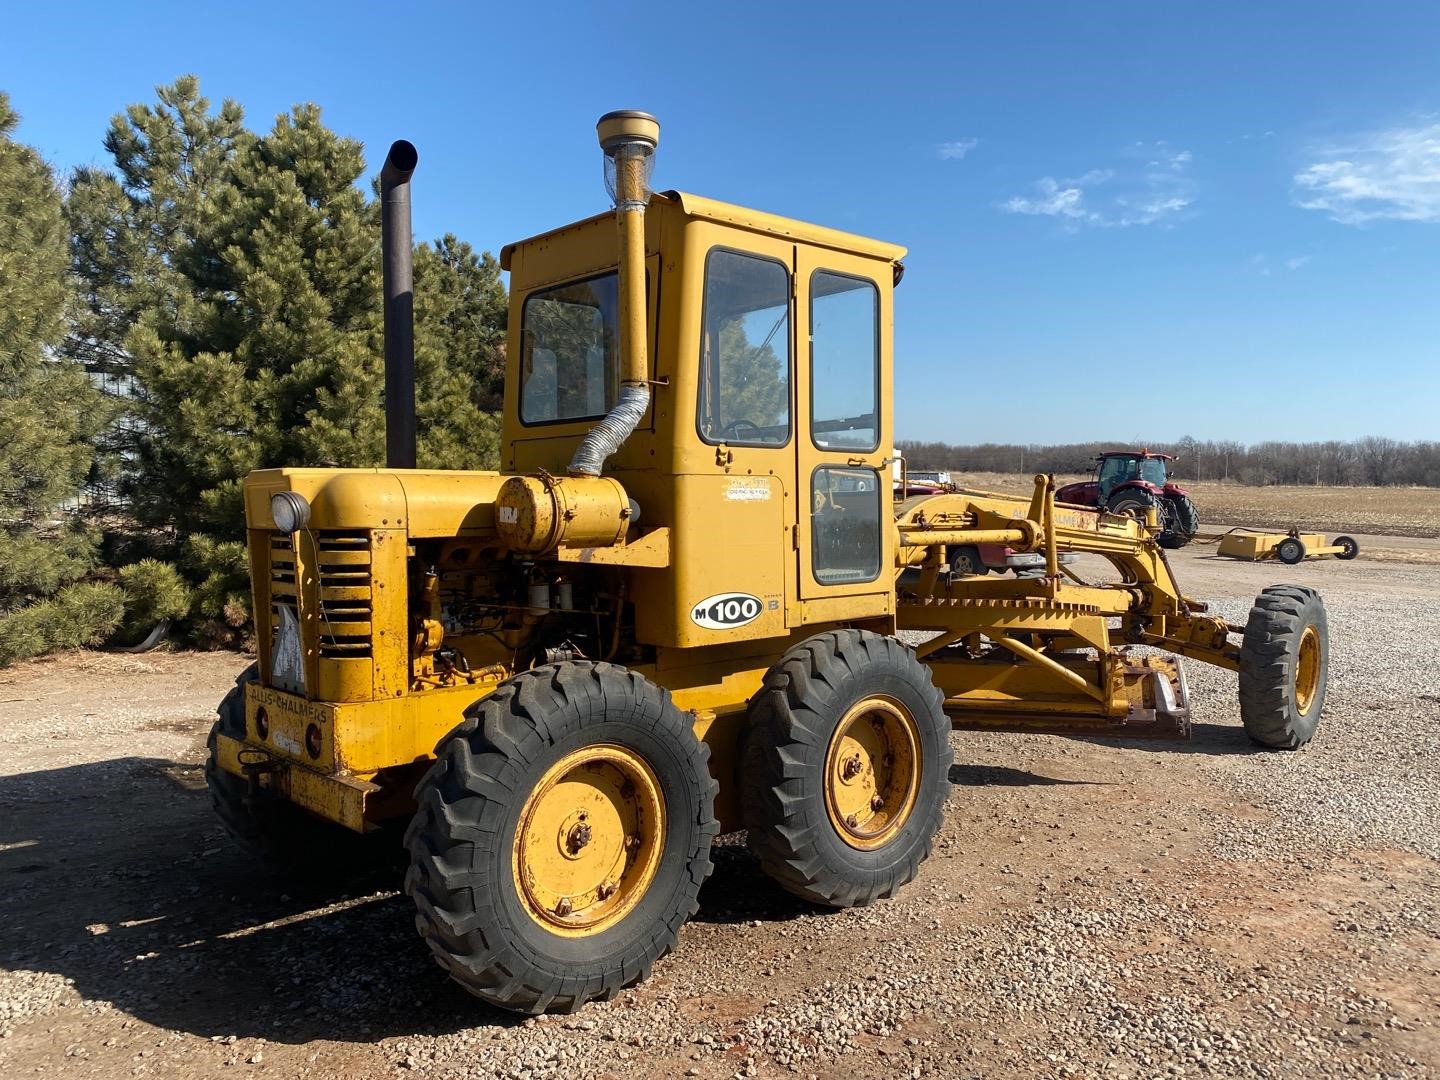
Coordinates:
[628,139]
[398,262]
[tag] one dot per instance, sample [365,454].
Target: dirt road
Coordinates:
[1128,910]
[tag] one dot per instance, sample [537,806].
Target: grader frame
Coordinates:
[676,611]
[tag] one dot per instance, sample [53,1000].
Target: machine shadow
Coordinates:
[739,891]
[1219,740]
[116,876]
[1001,776]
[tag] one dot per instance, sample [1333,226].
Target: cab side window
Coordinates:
[846,504]
[844,362]
[1112,472]
[745,351]
[570,350]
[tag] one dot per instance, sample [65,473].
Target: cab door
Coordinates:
[843,432]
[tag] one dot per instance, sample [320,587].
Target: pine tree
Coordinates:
[49,413]
[754,390]
[460,309]
[134,232]
[248,314]
[272,355]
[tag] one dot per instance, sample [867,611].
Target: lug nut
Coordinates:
[853,821]
[606,890]
[876,802]
[563,907]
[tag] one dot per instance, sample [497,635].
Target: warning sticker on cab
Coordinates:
[741,490]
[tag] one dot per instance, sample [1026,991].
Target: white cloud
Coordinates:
[1389,175]
[954,151]
[1261,263]
[1054,201]
[1131,195]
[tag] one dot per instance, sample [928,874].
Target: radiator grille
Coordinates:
[343,572]
[282,577]
[341,563]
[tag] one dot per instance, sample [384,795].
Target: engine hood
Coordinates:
[424,502]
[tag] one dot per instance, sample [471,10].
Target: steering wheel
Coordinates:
[739,429]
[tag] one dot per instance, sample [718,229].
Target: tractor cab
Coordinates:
[1116,468]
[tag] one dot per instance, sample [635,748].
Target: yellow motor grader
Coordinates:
[678,608]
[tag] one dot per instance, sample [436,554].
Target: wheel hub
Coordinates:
[1307,670]
[589,838]
[872,772]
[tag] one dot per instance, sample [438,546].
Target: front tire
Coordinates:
[1284,667]
[562,837]
[276,832]
[846,768]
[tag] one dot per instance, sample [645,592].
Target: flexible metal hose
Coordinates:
[605,437]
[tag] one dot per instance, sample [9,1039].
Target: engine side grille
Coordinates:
[282,576]
[343,571]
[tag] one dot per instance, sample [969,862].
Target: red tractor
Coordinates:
[1132,481]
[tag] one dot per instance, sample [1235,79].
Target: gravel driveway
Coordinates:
[1114,910]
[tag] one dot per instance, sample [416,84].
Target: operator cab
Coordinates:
[761,448]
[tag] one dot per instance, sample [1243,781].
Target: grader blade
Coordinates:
[1146,699]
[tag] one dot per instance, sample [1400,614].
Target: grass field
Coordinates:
[1389,511]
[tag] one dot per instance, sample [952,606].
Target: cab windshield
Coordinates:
[1120,470]
[1151,470]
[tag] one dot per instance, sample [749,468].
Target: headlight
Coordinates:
[290,511]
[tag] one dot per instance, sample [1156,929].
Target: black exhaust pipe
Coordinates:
[398,260]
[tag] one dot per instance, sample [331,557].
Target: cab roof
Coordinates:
[1139,454]
[741,217]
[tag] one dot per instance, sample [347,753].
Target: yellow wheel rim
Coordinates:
[1307,670]
[589,840]
[872,772]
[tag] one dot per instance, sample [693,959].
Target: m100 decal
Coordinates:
[725,611]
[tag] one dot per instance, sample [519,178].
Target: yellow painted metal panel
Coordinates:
[430,503]
[1254,546]
[801,232]
[711,210]
[733,542]
[340,799]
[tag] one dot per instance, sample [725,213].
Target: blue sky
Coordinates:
[1124,219]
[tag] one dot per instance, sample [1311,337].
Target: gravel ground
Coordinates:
[1091,909]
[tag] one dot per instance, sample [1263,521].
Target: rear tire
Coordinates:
[1284,667]
[1182,522]
[846,768]
[1349,547]
[1290,551]
[562,837]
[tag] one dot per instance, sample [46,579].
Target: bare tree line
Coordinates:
[1372,460]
